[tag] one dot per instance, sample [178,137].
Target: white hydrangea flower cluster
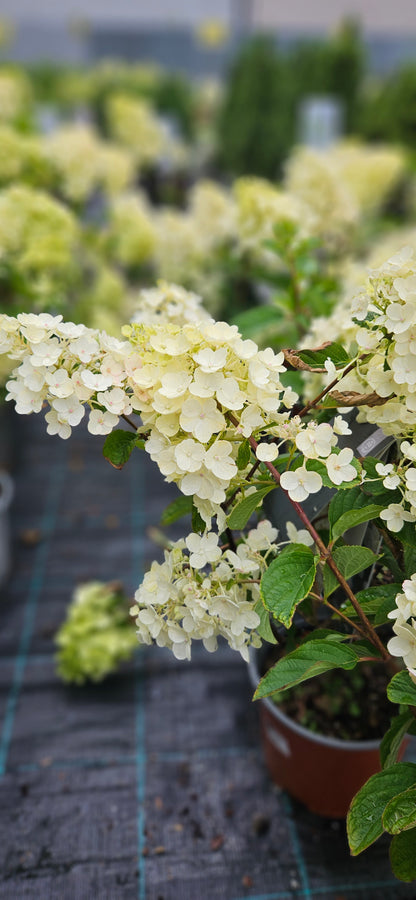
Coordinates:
[134,124]
[20,157]
[184,380]
[202,592]
[130,234]
[369,172]
[168,303]
[381,322]
[38,236]
[15,93]
[67,366]
[318,442]
[341,185]
[260,206]
[83,162]
[331,211]
[403,644]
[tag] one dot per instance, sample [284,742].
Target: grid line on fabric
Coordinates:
[138,518]
[48,522]
[297,847]
[323,889]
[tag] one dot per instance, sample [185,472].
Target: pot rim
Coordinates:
[335,743]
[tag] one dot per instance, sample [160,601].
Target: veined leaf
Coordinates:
[349,560]
[118,446]
[402,689]
[181,506]
[392,742]
[403,855]
[308,660]
[241,513]
[243,455]
[376,602]
[264,629]
[288,580]
[400,814]
[314,360]
[350,508]
[364,820]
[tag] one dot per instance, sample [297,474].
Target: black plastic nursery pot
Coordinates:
[322,772]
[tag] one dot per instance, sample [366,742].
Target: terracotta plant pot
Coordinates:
[322,772]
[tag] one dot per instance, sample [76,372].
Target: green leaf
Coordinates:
[349,560]
[403,855]
[241,513]
[316,358]
[243,455]
[350,508]
[402,689]
[308,660]
[409,557]
[288,580]
[393,739]
[198,524]
[364,820]
[400,814]
[264,629]
[182,506]
[376,602]
[260,317]
[118,447]
[407,534]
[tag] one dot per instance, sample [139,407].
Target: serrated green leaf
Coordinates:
[393,740]
[400,814]
[350,508]
[264,629]
[376,602]
[118,447]
[349,560]
[288,580]
[308,660]
[198,524]
[241,513]
[401,689]
[407,534]
[243,455]
[409,558]
[403,855]
[364,819]
[316,358]
[182,506]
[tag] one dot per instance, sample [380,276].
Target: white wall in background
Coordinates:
[140,12]
[377,16]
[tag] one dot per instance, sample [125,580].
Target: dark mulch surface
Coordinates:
[151,785]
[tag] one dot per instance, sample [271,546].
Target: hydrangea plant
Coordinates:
[220,419]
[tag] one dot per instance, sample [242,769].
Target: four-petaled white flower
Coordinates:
[395,516]
[339,466]
[203,549]
[300,483]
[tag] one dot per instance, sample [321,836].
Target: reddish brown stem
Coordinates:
[325,554]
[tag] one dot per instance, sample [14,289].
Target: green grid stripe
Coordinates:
[48,522]
[138,519]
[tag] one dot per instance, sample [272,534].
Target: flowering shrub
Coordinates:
[218,418]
